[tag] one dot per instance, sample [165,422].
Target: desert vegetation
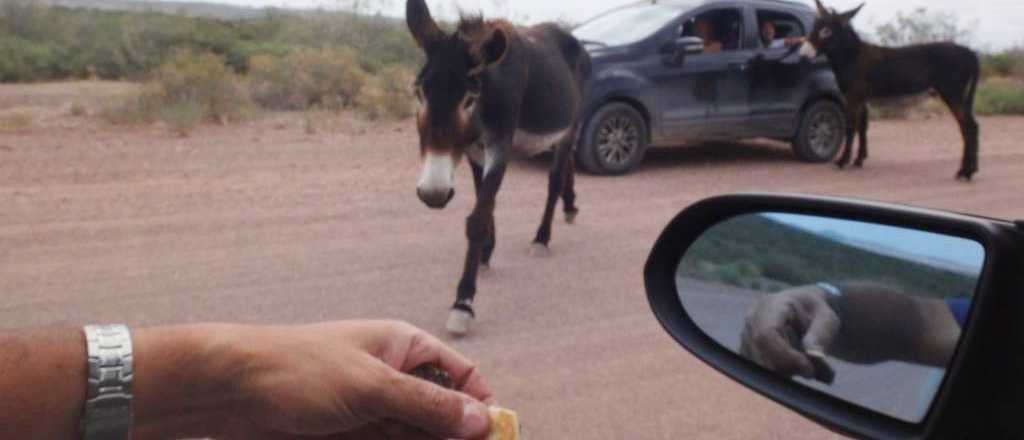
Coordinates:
[206,70]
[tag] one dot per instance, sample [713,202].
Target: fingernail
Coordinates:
[474,420]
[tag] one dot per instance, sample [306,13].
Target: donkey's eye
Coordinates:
[825,33]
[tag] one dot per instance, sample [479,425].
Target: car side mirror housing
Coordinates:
[680,48]
[719,278]
[689,45]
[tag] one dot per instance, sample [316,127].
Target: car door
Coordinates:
[686,92]
[776,93]
[707,97]
[730,115]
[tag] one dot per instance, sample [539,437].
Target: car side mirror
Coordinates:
[680,48]
[873,320]
[689,45]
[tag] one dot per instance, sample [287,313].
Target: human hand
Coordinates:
[348,381]
[790,332]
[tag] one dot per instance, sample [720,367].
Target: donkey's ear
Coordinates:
[822,11]
[495,48]
[492,50]
[422,26]
[848,16]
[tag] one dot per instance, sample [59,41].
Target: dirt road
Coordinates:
[264,223]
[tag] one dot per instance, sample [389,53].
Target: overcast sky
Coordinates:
[998,23]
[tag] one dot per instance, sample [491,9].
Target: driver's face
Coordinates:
[703,28]
[768,31]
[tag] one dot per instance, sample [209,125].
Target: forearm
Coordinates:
[184,381]
[42,383]
[879,323]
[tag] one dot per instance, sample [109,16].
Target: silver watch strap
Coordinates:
[108,405]
[835,298]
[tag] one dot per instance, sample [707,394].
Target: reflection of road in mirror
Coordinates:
[868,313]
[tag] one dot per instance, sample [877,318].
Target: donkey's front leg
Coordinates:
[479,230]
[556,187]
[491,241]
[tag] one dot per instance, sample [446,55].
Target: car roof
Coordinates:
[691,3]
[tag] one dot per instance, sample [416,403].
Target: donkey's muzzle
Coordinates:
[436,199]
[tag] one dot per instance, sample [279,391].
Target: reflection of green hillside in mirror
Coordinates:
[758,253]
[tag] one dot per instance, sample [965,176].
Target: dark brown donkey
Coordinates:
[866,72]
[490,91]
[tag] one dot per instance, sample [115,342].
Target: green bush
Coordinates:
[182,116]
[184,91]
[388,95]
[23,60]
[325,78]
[1008,63]
[205,80]
[1000,98]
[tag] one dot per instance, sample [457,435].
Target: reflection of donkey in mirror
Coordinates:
[488,91]
[866,71]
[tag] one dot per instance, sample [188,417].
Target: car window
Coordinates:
[786,25]
[722,29]
[627,25]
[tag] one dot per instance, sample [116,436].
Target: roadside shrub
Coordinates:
[23,60]
[182,116]
[1000,98]
[1009,63]
[203,80]
[388,95]
[328,78]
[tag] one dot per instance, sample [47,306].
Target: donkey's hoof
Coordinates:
[459,322]
[965,175]
[485,269]
[858,164]
[570,217]
[540,250]
[841,165]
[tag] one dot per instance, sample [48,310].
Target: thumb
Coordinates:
[436,410]
[822,330]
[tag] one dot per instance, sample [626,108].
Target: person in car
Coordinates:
[859,322]
[768,33]
[337,380]
[705,29]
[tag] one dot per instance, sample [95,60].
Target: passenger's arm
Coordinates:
[236,382]
[874,324]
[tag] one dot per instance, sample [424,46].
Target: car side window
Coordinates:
[775,27]
[721,29]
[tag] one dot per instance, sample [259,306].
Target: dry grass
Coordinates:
[17,122]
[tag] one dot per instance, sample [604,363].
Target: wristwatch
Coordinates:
[835,298]
[108,404]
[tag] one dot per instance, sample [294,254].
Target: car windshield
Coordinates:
[627,25]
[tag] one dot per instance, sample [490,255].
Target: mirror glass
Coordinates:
[868,313]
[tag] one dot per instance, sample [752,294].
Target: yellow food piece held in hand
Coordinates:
[504,424]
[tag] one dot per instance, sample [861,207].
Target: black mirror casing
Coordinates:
[982,395]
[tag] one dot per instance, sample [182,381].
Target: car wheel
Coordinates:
[822,132]
[614,141]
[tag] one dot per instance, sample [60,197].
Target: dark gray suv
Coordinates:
[657,83]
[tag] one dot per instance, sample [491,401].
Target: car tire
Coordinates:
[822,132]
[614,141]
